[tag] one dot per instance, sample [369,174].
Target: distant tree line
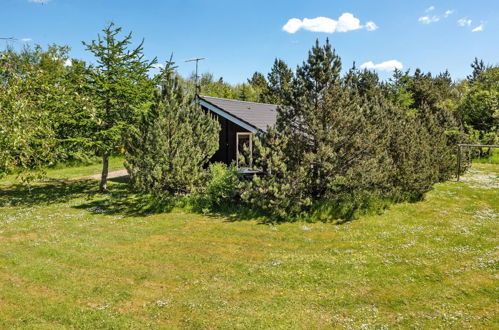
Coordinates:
[344,143]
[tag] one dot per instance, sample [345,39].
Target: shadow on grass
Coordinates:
[232,213]
[46,193]
[121,199]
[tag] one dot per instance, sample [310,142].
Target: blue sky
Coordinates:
[240,37]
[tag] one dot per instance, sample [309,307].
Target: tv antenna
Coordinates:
[196,59]
[8,38]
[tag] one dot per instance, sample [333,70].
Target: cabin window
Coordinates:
[244,150]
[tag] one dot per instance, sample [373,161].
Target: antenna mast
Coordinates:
[197,59]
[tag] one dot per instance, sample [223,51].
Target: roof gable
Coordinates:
[259,116]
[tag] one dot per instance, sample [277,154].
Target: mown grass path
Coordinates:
[70,257]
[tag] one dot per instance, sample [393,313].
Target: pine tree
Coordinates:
[281,192]
[327,124]
[396,89]
[329,143]
[278,83]
[120,85]
[166,153]
[260,85]
[258,81]
[478,67]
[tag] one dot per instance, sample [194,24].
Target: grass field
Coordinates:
[72,258]
[493,158]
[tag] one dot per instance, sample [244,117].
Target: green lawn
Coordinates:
[72,258]
[493,158]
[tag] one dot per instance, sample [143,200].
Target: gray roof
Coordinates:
[258,115]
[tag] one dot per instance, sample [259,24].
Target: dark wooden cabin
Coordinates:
[239,121]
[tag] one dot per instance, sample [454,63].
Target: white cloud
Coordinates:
[371,26]
[39,1]
[346,22]
[429,19]
[383,66]
[293,25]
[479,28]
[464,22]
[26,39]
[68,62]
[448,13]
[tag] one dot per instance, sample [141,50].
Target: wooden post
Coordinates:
[458,162]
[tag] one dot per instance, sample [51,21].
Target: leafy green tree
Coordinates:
[419,136]
[219,88]
[246,92]
[120,84]
[49,94]
[479,106]
[174,139]
[62,92]
[26,134]
[211,87]
[260,85]
[221,188]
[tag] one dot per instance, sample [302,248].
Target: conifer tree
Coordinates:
[260,85]
[478,67]
[165,154]
[330,126]
[120,85]
[278,83]
[347,144]
[328,135]
[281,192]
[258,81]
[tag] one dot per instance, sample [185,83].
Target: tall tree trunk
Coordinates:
[105,171]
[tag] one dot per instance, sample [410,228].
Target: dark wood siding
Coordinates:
[226,152]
